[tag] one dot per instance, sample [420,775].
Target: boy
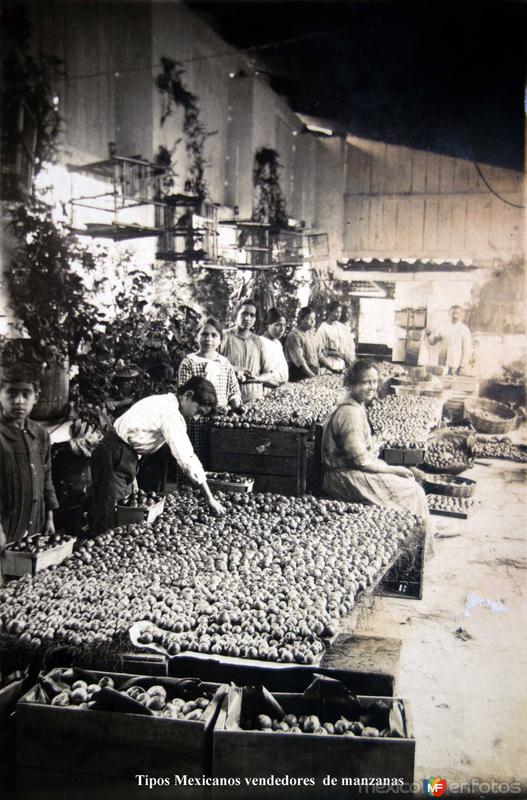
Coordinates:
[143,430]
[27,496]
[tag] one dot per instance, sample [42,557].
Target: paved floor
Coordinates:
[468,691]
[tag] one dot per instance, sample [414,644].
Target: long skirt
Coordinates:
[390,491]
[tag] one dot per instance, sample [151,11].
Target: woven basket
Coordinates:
[476,410]
[450,485]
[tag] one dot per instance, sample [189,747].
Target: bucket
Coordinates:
[54,392]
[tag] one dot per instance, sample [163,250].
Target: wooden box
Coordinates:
[9,695]
[277,460]
[111,743]
[281,677]
[249,753]
[17,564]
[127,515]
[231,486]
[405,578]
[408,456]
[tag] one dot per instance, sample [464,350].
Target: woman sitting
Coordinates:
[302,349]
[352,469]
[335,339]
[275,325]
[208,363]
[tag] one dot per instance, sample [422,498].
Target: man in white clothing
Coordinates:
[143,430]
[457,341]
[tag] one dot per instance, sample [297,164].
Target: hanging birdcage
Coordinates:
[189,229]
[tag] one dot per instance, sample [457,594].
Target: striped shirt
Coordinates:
[157,420]
[218,371]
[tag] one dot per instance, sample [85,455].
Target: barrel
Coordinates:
[54,392]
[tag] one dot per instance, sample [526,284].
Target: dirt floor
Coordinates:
[464,649]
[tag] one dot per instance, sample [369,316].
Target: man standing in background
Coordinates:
[457,342]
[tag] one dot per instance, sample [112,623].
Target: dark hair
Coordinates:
[355,372]
[20,373]
[247,301]
[304,312]
[455,306]
[203,392]
[211,321]
[333,306]
[273,315]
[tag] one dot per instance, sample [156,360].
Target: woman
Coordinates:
[335,339]
[302,350]
[352,470]
[275,325]
[208,363]
[244,350]
[142,431]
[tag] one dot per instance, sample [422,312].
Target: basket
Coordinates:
[443,483]
[477,410]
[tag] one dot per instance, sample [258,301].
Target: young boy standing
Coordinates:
[27,496]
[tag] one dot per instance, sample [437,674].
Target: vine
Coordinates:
[269,202]
[170,84]
[28,85]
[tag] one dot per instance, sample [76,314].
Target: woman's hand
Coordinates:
[216,506]
[403,472]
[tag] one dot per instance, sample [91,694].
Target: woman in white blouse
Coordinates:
[275,325]
[335,340]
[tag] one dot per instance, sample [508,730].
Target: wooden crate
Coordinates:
[17,564]
[405,578]
[409,456]
[113,744]
[9,695]
[277,460]
[374,659]
[127,515]
[282,677]
[247,754]
[230,486]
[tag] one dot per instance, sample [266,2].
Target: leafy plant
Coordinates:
[46,283]
[170,84]
[269,203]
[28,83]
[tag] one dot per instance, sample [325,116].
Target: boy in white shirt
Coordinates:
[143,430]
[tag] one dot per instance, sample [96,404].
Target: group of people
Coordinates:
[229,368]
[243,366]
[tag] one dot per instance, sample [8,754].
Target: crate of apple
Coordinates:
[230,482]
[138,507]
[30,554]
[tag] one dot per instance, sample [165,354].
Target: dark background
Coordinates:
[447,76]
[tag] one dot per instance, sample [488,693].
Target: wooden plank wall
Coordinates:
[404,202]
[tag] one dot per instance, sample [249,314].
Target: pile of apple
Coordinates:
[500,447]
[311,723]
[403,420]
[299,405]
[268,580]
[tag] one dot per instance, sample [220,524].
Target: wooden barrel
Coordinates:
[54,392]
